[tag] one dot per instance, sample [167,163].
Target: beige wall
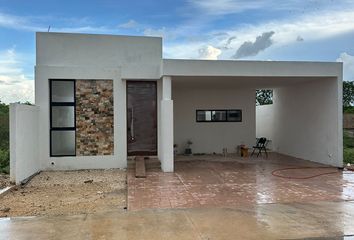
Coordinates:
[213,137]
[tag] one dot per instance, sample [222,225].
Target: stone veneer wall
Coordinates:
[94,117]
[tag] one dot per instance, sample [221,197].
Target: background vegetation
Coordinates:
[264,97]
[348,145]
[4,138]
[348,135]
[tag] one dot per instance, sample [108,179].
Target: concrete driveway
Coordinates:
[323,220]
[213,181]
[207,198]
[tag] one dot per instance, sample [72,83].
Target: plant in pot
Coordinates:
[175,149]
[188,150]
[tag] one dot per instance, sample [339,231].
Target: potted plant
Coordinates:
[188,150]
[175,149]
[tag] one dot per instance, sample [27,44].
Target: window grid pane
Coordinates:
[62,91]
[62,118]
[63,143]
[233,115]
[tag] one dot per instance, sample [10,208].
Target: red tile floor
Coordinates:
[217,181]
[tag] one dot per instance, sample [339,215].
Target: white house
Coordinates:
[102,98]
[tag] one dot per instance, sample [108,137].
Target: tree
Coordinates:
[348,93]
[4,109]
[4,138]
[264,97]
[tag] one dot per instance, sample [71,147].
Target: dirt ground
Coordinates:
[4,181]
[67,192]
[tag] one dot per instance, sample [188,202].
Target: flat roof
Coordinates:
[189,67]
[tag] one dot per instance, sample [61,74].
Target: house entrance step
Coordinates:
[140,171]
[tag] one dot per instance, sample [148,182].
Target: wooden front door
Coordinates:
[141,118]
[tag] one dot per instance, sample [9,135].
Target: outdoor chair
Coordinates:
[261,145]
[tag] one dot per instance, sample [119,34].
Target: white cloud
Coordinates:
[348,66]
[209,53]
[18,23]
[218,7]
[130,24]
[41,23]
[167,34]
[312,27]
[14,84]
[224,7]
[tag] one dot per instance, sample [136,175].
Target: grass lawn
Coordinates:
[348,147]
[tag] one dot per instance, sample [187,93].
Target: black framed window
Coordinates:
[232,115]
[62,118]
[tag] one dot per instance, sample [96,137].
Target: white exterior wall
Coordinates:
[250,68]
[24,143]
[119,159]
[308,121]
[159,119]
[209,137]
[137,57]
[265,123]
[166,126]
[87,56]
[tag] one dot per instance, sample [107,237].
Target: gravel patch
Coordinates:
[4,181]
[67,192]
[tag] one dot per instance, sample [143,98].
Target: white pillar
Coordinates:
[166,88]
[167,161]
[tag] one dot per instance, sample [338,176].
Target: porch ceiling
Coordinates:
[237,81]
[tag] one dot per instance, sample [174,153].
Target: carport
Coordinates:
[305,120]
[213,106]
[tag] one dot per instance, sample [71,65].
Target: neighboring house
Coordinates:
[102,98]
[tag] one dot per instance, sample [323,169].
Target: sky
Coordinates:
[269,30]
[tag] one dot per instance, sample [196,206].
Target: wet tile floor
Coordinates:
[215,181]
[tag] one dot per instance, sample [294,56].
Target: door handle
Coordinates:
[132,137]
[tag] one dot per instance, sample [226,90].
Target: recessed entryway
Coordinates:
[141,118]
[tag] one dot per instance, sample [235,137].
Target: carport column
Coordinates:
[166,122]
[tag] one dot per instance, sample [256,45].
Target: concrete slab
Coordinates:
[332,220]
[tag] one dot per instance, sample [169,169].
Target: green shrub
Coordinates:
[348,141]
[348,145]
[348,155]
[4,130]
[4,161]
[348,109]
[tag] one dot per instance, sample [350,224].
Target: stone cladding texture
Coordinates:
[94,117]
